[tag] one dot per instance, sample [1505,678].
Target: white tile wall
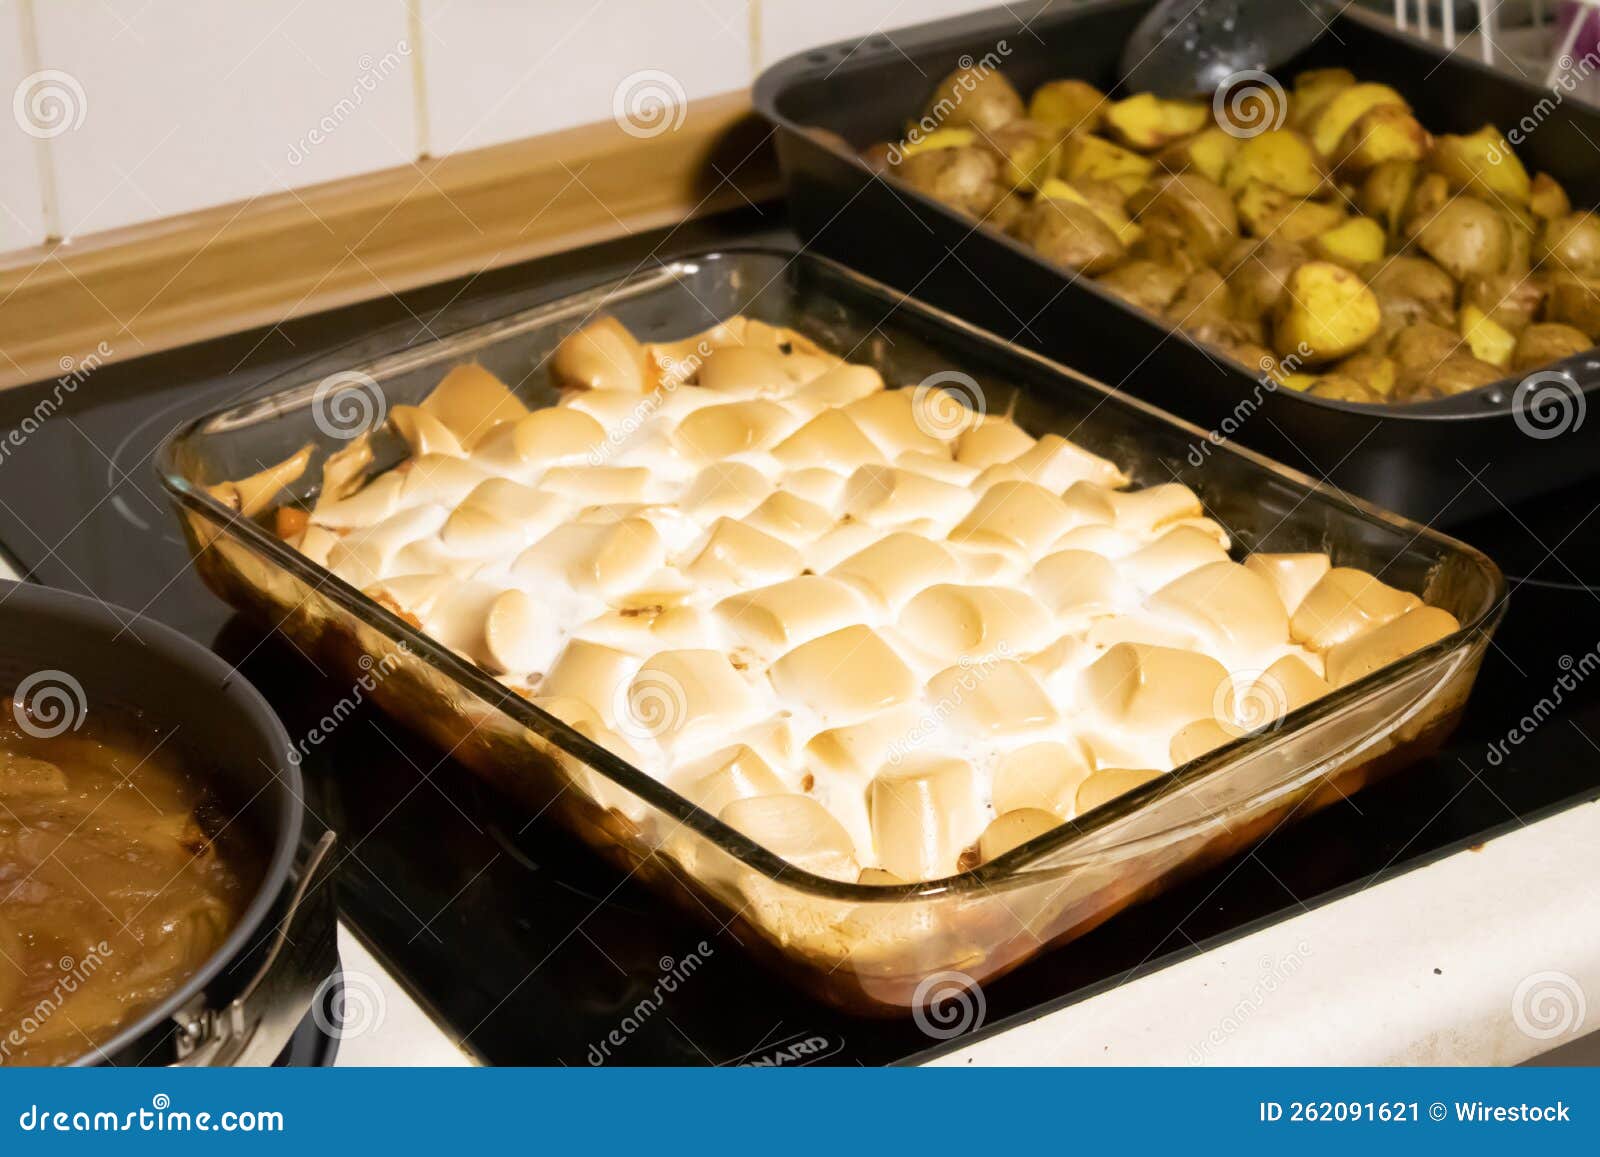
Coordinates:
[498,69]
[22,221]
[791,26]
[188,104]
[192,104]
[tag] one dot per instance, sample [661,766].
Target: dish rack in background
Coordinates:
[1537,40]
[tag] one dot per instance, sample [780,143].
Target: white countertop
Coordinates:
[1486,957]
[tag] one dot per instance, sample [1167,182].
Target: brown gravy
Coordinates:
[119,875]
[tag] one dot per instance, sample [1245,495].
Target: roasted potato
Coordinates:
[938,139]
[1147,284]
[1430,194]
[983,99]
[1349,105]
[1257,272]
[1353,243]
[1381,135]
[1102,200]
[1209,153]
[1547,199]
[1088,157]
[1457,374]
[1280,159]
[1072,105]
[1344,388]
[1071,235]
[1237,341]
[1488,340]
[1574,301]
[1570,244]
[1413,289]
[1510,300]
[1377,372]
[1313,90]
[1483,164]
[969,179]
[1030,151]
[1146,122]
[1385,192]
[1184,212]
[1204,300]
[1467,238]
[1328,312]
[1268,212]
[1419,349]
[1546,342]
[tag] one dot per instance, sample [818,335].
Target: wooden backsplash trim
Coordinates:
[150,287]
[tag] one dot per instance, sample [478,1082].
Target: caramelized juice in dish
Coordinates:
[119,875]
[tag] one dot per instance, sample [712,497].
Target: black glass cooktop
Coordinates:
[527,948]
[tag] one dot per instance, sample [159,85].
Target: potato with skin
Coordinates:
[1313,89]
[1467,238]
[1457,374]
[1328,313]
[1547,199]
[1095,198]
[1570,244]
[1268,212]
[1418,350]
[1343,388]
[967,179]
[1203,300]
[1428,196]
[1280,159]
[1149,285]
[1487,339]
[1546,342]
[969,97]
[1381,135]
[1235,340]
[1030,152]
[1258,272]
[1510,300]
[1185,212]
[1347,107]
[1073,105]
[1146,122]
[1483,164]
[1209,153]
[1088,157]
[1411,288]
[1376,372]
[1386,190]
[939,139]
[1071,235]
[1574,301]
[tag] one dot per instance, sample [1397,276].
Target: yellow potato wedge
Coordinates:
[1328,313]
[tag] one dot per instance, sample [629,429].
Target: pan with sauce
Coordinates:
[120,874]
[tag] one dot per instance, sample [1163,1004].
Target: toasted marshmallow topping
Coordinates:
[885,645]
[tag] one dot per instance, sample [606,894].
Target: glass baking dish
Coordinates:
[868,948]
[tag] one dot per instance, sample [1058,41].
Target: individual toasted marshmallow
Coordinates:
[998,697]
[898,424]
[1056,464]
[1021,513]
[725,490]
[1291,575]
[597,485]
[713,433]
[938,468]
[925,812]
[470,401]
[857,750]
[1252,702]
[992,441]
[366,507]
[558,435]
[888,496]
[954,622]
[816,485]
[599,559]
[829,440]
[1177,552]
[1198,738]
[472,532]
[733,773]
[682,698]
[535,512]
[439,478]
[738,555]
[1363,654]
[791,518]
[896,567]
[1153,690]
[797,829]
[602,355]
[1077,583]
[1235,608]
[1154,507]
[1344,603]
[1104,786]
[837,387]
[519,635]
[593,675]
[780,617]
[425,434]
[844,677]
[747,373]
[1012,829]
[1042,776]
